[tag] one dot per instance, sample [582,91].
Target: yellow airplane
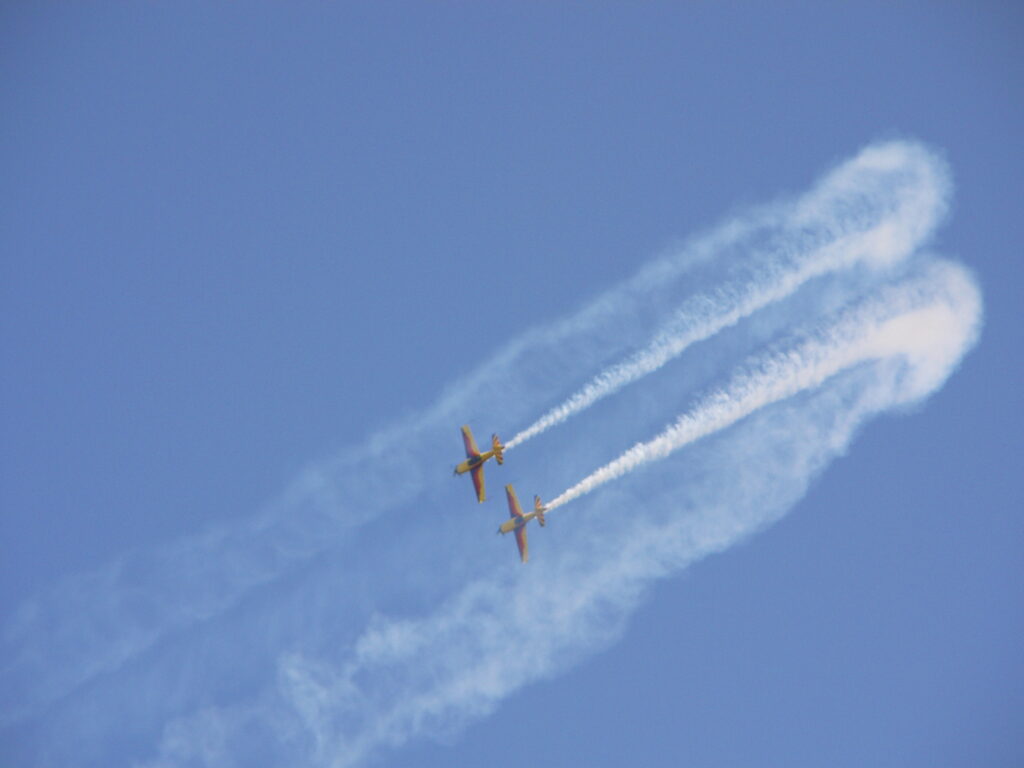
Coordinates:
[474,463]
[517,523]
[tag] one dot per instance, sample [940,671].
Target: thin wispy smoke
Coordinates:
[875,209]
[403,677]
[354,612]
[871,209]
[888,324]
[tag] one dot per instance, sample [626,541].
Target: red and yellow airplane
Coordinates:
[474,463]
[517,523]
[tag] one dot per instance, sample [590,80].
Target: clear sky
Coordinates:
[260,261]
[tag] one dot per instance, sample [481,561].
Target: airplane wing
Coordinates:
[467,438]
[524,550]
[513,502]
[477,473]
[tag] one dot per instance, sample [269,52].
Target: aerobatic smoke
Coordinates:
[920,319]
[875,209]
[872,209]
[372,635]
[403,676]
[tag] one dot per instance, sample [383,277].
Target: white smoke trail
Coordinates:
[875,209]
[919,319]
[405,677]
[80,648]
[872,208]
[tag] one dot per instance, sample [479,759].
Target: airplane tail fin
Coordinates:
[540,509]
[498,449]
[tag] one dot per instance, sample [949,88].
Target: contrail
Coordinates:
[875,209]
[869,210]
[305,587]
[406,676]
[918,319]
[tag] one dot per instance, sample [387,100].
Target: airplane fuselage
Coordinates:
[516,522]
[468,464]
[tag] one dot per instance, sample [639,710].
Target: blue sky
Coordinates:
[240,242]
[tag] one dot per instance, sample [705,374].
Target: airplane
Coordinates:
[517,523]
[474,463]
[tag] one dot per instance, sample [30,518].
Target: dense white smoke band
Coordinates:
[405,677]
[74,656]
[871,209]
[905,319]
[875,209]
